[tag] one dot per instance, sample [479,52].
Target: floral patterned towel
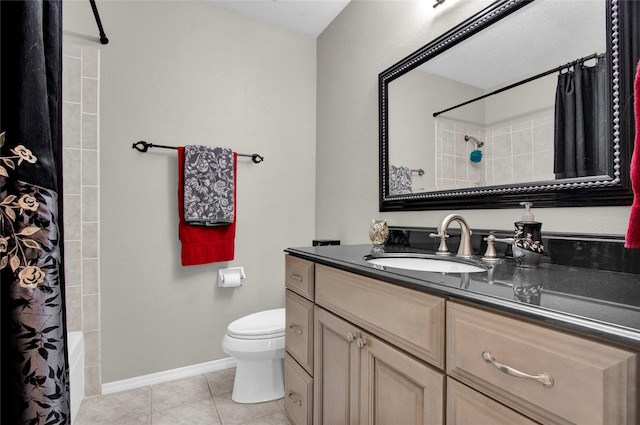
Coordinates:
[399,180]
[208,186]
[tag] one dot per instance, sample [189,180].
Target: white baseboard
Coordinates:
[169,375]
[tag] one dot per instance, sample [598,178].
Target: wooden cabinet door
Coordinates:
[336,370]
[397,389]
[468,407]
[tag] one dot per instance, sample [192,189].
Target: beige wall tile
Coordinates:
[72,217]
[90,312]
[71,125]
[72,171]
[91,348]
[89,203]
[89,95]
[89,168]
[89,131]
[89,240]
[72,265]
[90,62]
[73,298]
[71,86]
[90,276]
[92,382]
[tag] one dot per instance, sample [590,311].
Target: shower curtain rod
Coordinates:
[519,83]
[103,36]
[143,146]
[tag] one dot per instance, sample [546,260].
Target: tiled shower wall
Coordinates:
[81,73]
[513,152]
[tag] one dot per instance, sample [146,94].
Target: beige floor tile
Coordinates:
[176,393]
[232,413]
[113,408]
[275,419]
[201,412]
[221,382]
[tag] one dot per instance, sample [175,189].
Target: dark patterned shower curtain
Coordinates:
[35,373]
[581,121]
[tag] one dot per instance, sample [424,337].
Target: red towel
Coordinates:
[633,230]
[202,244]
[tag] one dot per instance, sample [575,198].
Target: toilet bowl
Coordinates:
[257,342]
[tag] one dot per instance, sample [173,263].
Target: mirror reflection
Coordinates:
[523,101]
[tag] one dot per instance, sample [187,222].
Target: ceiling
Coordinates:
[540,36]
[307,16]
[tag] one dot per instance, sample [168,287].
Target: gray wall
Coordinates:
[176,73]
[366,38]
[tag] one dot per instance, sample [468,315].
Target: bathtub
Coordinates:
[75,344]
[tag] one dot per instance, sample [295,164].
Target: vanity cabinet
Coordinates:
[364,351]
[550,376]
[298,364]
[359,379]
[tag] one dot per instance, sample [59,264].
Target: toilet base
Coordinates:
[258,381]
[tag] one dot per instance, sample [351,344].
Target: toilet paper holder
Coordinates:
[231,277]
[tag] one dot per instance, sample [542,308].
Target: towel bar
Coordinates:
[143,146]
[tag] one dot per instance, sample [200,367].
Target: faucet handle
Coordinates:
[490,253]
[442,249]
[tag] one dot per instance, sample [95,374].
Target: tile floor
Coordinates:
[199,400]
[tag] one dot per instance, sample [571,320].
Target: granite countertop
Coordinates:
[600,303]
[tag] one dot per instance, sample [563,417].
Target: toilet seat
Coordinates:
[262,325]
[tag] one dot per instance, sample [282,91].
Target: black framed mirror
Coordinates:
[473,118]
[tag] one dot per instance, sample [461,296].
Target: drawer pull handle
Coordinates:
[295,398]
[295,276]
[544,378]
[295,329]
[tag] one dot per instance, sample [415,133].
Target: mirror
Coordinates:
[482,116]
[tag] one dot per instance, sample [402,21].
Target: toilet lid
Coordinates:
[261,325]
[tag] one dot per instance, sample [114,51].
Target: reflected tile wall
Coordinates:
[81,90]
[513,152]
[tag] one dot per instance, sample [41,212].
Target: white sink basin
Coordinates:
[425,263]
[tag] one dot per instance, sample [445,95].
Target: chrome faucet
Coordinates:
[464,249]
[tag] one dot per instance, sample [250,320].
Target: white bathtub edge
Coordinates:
[75,347]
[168,375]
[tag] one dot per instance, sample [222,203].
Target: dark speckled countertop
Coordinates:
[602,304]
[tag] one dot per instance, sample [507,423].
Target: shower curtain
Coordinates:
[581,121]
[35,382]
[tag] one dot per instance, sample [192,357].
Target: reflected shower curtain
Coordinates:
[581,121]
[35,382]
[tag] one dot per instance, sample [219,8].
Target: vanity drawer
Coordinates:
[578,381]
[299,329]
[298,393]
[409,319]
[299,276]
[466,406]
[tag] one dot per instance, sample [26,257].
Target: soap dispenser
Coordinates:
[527,243]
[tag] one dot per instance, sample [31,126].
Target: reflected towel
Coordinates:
[633,230]
[208,185]
[200,244]
[399,180]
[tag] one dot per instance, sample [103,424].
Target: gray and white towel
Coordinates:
[208,185]
[399,180]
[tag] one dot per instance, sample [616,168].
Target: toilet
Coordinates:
[257,342]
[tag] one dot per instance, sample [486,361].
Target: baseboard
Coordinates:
[169,375]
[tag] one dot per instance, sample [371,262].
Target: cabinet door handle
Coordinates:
[295,276]
[295,398]
[360,343]
[350,337]
[544,378]
[295,329]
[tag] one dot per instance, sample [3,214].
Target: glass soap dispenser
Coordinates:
[527,244]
